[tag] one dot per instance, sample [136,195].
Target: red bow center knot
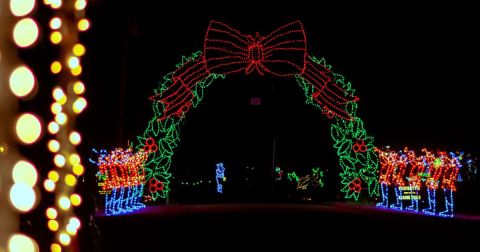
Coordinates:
[255,54]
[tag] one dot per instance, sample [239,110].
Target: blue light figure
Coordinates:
[220,176]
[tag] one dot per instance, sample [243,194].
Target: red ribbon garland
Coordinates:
[281,53]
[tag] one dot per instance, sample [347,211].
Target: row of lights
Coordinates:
[28,128]
[68,103]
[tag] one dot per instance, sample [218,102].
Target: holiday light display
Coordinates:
[313,180]
[408,173]
[278,175]
[122,179]
[220,175]
[281,53]
[292,176]
[355,148]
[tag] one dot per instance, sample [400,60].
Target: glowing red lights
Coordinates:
[281,53]
[355,185]
[431,170]
[150,145]
[359,146]
[154,185]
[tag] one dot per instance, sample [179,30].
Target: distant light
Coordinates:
[76,71]
[75,222]
[78,88]
[64,239]
[55,247]
[53,145]
[70,180]
[22,197]
[24,172]
[55,3]
[78,169]
[22,81]
[75,138]
[56,37]
[59,160]
[76,199]
[22,243]
[25,32]
[56,67]
[79,50]
[49,185]
[71,230]
[74,159]
[63,100]
[28,128]
[80,4]
[79,105]
[58,93]
[21,8]
[61,118]
[83,25]
[53,128]
[53,225]
[73,62]
[56,108]
[53,175]
[55,23]
[51,213]
[64,203]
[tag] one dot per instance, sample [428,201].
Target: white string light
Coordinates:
[18,177]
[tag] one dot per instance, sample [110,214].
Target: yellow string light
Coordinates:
[51,213]
[56,67]
[56,37]
[83,25]
[62,179]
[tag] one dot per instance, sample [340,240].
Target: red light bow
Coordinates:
[281,53]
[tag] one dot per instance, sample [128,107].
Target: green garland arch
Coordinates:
[355,149]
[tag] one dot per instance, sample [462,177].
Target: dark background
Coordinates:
[413,67]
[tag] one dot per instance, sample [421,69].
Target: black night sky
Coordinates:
[413,67]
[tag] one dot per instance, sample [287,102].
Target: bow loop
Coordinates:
[281,53]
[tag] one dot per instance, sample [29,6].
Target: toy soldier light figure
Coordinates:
[435,168]
[417,166]
[448,183]
[398,179]
[387,166]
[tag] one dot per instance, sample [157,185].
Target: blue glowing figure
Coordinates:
[220,176]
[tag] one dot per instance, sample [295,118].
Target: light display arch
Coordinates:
[281,53]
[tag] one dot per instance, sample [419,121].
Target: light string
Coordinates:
[18,82]
[67,23]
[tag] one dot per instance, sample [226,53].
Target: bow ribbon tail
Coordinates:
[327,94]
[177,98]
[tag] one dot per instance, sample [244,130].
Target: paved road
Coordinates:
[249,227]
